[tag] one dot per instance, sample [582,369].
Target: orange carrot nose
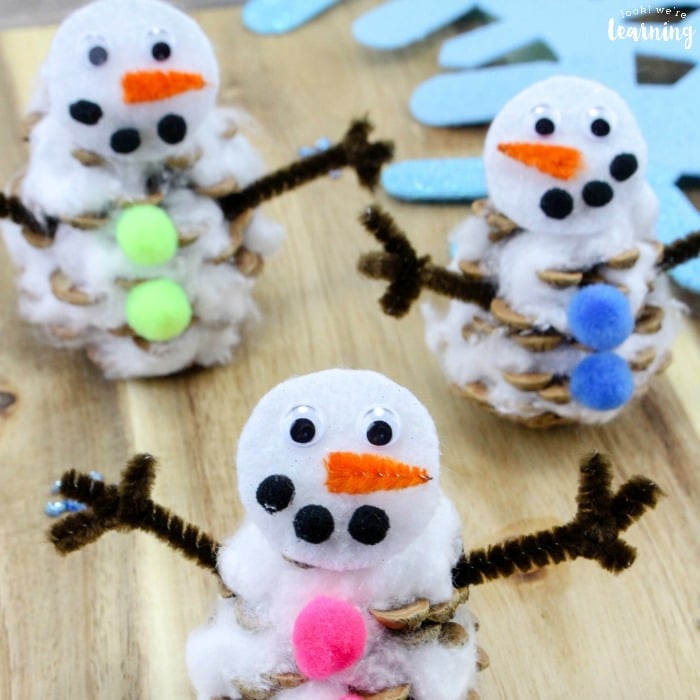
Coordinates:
[561,162]
[154,85]
[353,473]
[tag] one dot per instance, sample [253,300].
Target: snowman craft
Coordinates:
[134,226]
[347,578]
[560,311]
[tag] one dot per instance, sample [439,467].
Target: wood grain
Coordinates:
[111,622]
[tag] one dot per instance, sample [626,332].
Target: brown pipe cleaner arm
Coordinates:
[593,533]
[13,209]
[680,251]
[127,506]
[367,158]
[408,274]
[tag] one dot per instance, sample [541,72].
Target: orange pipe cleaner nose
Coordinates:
[353,473]
[561,162]
[154,85]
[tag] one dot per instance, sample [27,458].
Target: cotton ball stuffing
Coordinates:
[128,155]
[560,312]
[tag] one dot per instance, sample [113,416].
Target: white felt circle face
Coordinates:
[130,78]
[339,469]
[566,156]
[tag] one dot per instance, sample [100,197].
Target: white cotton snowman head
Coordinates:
[130,78]
[339,469]
[565,156]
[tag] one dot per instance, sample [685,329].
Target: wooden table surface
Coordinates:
[111,621]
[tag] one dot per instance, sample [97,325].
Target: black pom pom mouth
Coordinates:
[125,141]
[172,129]
[623,166]
[557,203]
[85,112]
[597,193]
[275,493]
[314,524]
[369,525]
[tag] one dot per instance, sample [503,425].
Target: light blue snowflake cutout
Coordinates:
[589,38]
[282,16]
[667,122]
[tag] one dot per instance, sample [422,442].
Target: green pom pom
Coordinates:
[158,310]
[146,234]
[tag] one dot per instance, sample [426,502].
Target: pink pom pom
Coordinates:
[351,697]
[329,636]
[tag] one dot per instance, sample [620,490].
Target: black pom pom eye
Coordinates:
[304,425]
[98,55]
[379,426]
[161,51]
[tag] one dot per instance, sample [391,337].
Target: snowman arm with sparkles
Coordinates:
[408,274]
[127,506]
[12,208]
[593,533]
[355,150]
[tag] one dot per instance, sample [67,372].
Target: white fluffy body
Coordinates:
[275,575]
[582,240]
[58,185]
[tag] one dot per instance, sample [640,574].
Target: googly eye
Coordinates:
[600,121]
[545,120]
[160,43]
[161,51]
[303,425]
[380,426]
[96,49]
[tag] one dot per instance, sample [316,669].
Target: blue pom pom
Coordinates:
[602,382]
[600,317]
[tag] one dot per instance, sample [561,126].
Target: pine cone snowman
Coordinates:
[124,249]
[560,310]
[347,578]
